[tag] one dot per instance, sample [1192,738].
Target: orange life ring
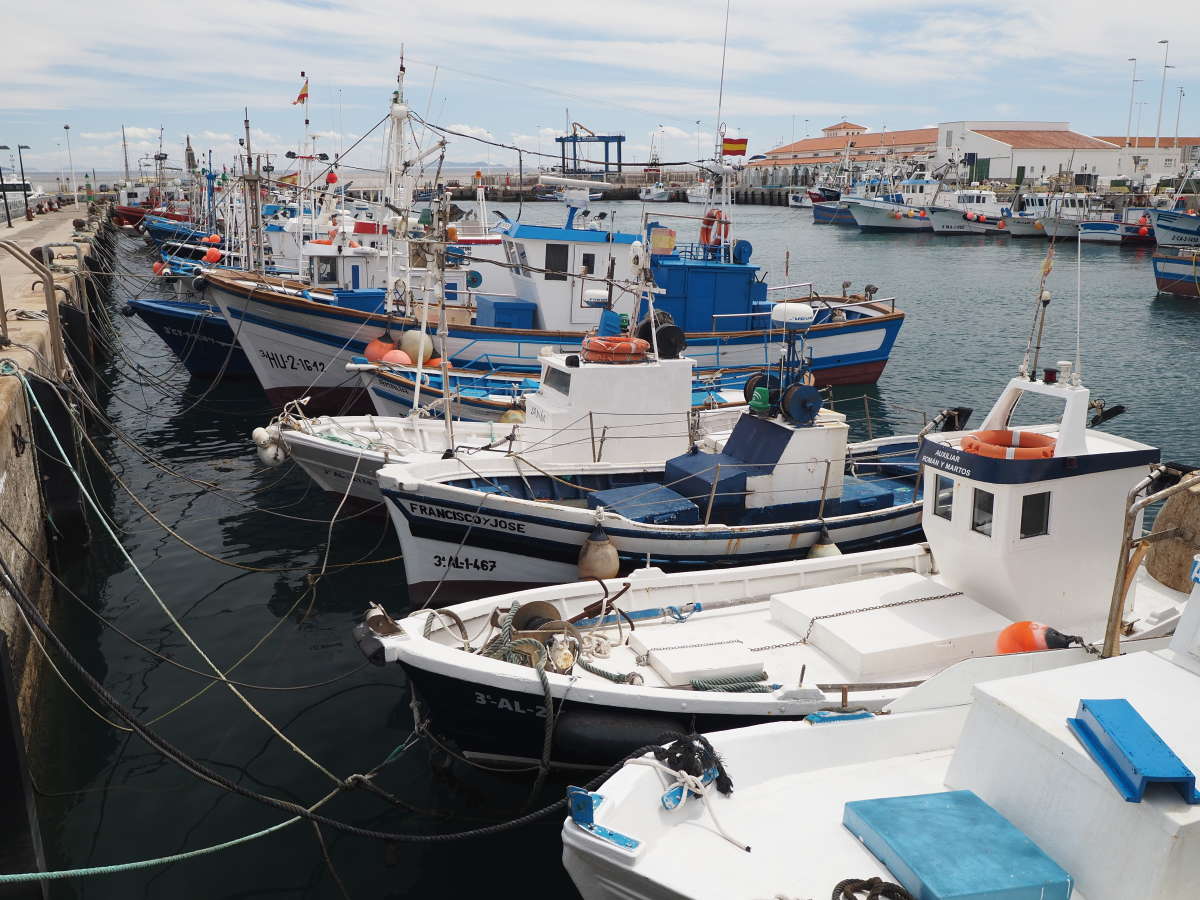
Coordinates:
[715,228]
[619,348]
[322,241]
[1009,444]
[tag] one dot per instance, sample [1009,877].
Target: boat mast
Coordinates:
[125,150]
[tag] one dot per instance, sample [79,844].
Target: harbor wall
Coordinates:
[24,473]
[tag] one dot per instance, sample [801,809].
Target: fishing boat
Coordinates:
[1060,214]
[967,211]
[342,454]
[800,200]
[904,210]
[699,192]
[782,479]
[299,337]
[833,212]
[1177,271]
[1176,227]
[1037,788]
[654,193]
[196,332]
[1128,228]
[1025,523]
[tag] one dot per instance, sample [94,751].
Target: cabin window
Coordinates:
[943,496]
[556,262]
[981,512]
[557,380]
[589,263]
[326,270]
[1035,515]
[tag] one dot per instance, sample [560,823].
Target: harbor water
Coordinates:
[182,448]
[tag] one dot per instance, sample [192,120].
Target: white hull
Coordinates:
[1024,226]
[800,200]
[1175,229]
[875,215]
[1060,228]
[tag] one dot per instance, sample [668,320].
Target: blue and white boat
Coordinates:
[765,491]
[905,210]
[197,333]
[1178,272]
[1176,227]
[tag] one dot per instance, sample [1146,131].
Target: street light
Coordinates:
[1163,90]
[4,191]
[1132,87]
[71,162]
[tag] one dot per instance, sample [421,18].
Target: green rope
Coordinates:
[734,684]
[144,863]
[596,670]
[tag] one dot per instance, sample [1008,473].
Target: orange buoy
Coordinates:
[714,229]
[212,255]
[397,357]
[1029,637]
[331,178]
[983,219]
[211,239]
[1143,231]
[433,362]
[354,244]
[1001,225]
[922,213]
[970,217]
[1143,221]
[618,348]
[1009,444]
[378,347]
[158,268]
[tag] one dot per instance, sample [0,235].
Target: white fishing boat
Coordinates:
[699,192]
[342,454]
[1025,524]
[654,193]
[1060,214]
[967,211]
[800,200]
[904,210]
[1034,789]
[779,481]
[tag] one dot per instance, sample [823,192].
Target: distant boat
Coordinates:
[800,200]
[698,192]
[1130,228]
[654,193]
[834,212]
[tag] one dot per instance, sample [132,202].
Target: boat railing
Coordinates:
[793,286]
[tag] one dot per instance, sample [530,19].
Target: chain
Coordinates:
[849,612]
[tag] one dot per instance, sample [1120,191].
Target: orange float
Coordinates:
[1029,637]
[377,348]
[1009,444]
[397,358]
[212,255]
[619,348]
[715,228]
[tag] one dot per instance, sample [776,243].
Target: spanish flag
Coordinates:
[293,178]
[734,146]
[302,97]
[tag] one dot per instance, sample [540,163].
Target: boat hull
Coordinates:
[450,536]
[1024,227]
[300,347]
[1119,233]
[198,334]
[832,212]
[1175,229]
[881,217]
[1177,275]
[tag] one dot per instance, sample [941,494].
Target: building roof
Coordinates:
[823,158]
[841,125]
[1021,139]
[870,139]
[1148,142]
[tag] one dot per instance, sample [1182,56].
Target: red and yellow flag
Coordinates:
[734,146]
[302,97]
[293,178]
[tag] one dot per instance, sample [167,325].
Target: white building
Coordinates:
[1011,151]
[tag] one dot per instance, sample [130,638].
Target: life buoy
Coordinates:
[1009,444]
[322,241]
[619,348]
[715,228]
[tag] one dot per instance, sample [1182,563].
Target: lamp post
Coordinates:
[4,191]
[1132,87]
[1162,91]
[24,183]
[71,163]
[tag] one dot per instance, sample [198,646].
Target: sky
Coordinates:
[518,71]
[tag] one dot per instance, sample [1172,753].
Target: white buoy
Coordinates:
[824,546]
[598,556]
[417,344]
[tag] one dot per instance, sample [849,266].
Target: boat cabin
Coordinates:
[1001,519]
